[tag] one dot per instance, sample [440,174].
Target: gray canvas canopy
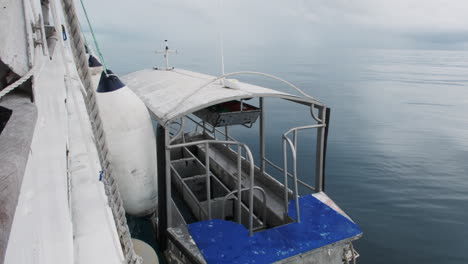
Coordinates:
[175,93]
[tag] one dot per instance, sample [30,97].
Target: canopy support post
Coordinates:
[163,209]
[327,123]
[262,137]
[320,151]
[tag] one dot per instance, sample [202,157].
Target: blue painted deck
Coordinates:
[228,242]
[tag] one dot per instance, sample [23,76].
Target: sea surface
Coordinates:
[397,156]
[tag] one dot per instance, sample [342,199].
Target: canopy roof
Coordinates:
[175,93]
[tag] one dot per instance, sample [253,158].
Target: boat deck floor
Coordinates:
[228,242]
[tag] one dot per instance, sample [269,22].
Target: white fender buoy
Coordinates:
[145,251]
[131,143]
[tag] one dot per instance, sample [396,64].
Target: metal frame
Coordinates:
[213,130]
[319,158]
[163,211]
[289,174]
[201,210]
[322,124]
[228,197]
[207,165]
[320,152]
[262,136]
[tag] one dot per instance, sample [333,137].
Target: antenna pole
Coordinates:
[221,42]
[166,55]
[166,52]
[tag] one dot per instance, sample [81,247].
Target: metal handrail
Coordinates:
[181,130]
[264,200]
[285,165]
[259,74]
[289,174]
[292,146]
[302,128]
[239,176]
[213,130]
[312,106]
[201,124]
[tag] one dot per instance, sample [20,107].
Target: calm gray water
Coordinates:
[397,158]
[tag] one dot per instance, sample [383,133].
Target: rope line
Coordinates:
[101,57]
[18,83]
[35,69]
[110,185]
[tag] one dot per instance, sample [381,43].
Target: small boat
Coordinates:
[216,204]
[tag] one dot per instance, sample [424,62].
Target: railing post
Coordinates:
[325,140]
[168,179]
[208,184]
[163,211]
[239,184]
[226,133]
[320,152]
[295,140]
[285,170]
[285,160]
[251,194]
[296,192]
[262,137]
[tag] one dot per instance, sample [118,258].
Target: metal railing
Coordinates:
[269,162]
[201,210]
[180,131]
[213,130]
[292,145]
[250,159]
[228,196]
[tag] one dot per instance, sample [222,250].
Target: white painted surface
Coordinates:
[323,197]
[13,45]
[132,149]
[95,236]
[172,94]
[42,228]
[62,214]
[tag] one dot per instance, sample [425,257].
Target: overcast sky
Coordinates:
[142,25]
[386,23]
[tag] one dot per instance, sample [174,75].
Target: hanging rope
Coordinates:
[110,185]
[18,83]
[94,38]
[34,70]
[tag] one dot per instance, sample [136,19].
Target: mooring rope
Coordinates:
[37,66]
[110,185]
[18,83]
[101,57]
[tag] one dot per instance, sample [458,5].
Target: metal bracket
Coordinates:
[38,34]
[350,254]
